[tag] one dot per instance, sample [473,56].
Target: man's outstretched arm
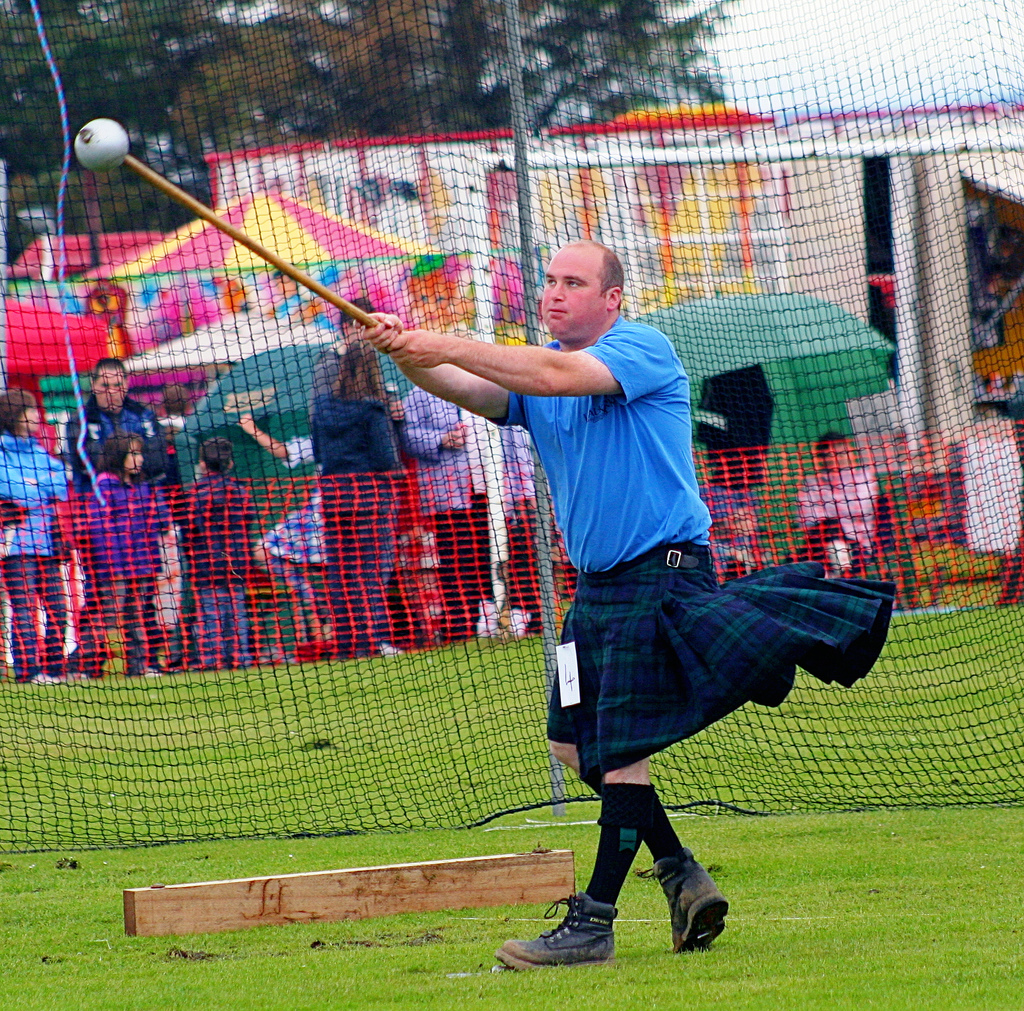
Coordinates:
[479,376]
[460,387]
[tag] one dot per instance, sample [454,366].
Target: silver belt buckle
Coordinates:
[676,559]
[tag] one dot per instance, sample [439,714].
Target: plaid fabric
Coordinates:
[664,653]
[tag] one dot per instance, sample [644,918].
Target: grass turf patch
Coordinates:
[447,737]
[890,910]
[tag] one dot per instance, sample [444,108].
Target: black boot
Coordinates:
[584,937]
[698,908]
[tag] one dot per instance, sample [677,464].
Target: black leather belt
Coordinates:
[686,556]
[681,558]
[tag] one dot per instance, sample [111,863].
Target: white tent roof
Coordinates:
[232,340]
[1002,176]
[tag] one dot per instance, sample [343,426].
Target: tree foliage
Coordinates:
[192,76]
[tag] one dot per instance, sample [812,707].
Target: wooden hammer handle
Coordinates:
[204,212]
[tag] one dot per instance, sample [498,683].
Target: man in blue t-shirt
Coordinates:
[607,404]
[661,650]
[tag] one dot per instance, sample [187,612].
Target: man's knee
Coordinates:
[639,774]
[566,754]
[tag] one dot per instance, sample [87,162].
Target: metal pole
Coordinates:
[529,266]
[491,452]
[906,267]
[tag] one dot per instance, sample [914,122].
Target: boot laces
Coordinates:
[570,919]
[552,911]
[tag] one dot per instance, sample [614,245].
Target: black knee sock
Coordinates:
[625,818]
[593,780]
[661,838]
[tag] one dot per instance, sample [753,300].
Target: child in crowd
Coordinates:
[125,522]
[294,549]
[218,526]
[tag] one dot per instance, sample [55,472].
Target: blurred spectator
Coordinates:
[355,445]
[296,452]
[735,529]
[220,516]
[450,473]
[836,508]
[109,411]
[296,545]
[125,523]
[294,549]
[327,365]
[31,564]
[175,405]
[414,596]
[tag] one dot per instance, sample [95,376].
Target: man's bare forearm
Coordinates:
[533,371]
[459,387]
[471,373]
[530,371]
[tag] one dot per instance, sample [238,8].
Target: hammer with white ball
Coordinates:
[102,145]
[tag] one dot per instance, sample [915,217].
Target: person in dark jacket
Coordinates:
[449,452]
[355,444]
[109,411]
[124,523]
[30,566]
[219,519]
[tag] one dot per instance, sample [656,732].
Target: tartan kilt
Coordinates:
[664,653]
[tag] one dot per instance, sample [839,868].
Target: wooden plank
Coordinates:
[208,907]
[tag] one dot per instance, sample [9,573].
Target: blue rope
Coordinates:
[62,255]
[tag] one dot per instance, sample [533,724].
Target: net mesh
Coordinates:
[291,594]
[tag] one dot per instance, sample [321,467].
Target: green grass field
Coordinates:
[915,908]
[897,911]
[445,738]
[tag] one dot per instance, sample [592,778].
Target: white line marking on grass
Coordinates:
[536,824]
[732,919]
[565,824]
[538,919]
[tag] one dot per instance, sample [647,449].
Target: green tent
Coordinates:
[276,388]
[815,356]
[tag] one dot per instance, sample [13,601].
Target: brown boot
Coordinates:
[698,908]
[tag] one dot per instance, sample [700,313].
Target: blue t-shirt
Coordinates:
[620,467]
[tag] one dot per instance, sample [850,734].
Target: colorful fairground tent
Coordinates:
[233,339]
[222,278]
[297,231]
[197,277]
[37,342]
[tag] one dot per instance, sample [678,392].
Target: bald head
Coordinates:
[582,294]
[611,273]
